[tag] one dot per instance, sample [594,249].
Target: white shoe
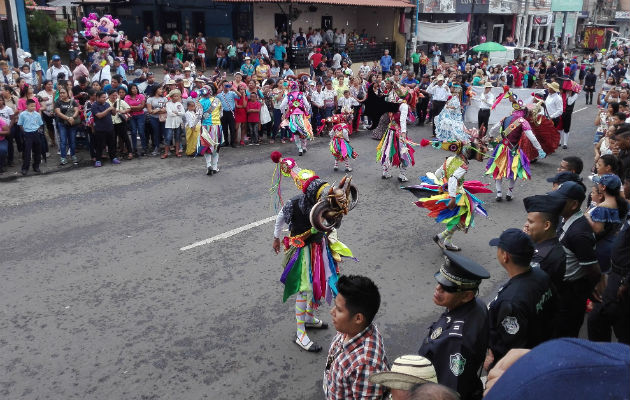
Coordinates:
[402,178]
[386,175]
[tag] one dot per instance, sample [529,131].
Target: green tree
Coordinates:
[43,31]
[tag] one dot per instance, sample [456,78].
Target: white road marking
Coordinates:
[229,233]
[581,109]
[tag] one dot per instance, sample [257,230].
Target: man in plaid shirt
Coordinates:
[357,350]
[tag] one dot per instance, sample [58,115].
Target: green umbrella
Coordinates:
[489,46]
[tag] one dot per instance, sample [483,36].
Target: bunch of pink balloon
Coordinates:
[100,31]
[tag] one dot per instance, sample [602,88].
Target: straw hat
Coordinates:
[554,86]
[174,92]
[440,77]
[488,84]
[171,82]
[406,371]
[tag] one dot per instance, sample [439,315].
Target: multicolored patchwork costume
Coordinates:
[311,251]
[452,200]
[211,136]
[508,159]
[297,110]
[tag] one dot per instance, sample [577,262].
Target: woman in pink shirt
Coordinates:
[27,93]
[136,103]
[79,70]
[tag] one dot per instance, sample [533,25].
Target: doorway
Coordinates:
[280,22]
[199,23]
[497,33]
[147,20]
[171,21]
[326,22]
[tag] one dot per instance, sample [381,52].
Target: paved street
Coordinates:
[98,301]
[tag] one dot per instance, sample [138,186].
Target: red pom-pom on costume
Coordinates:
[425,142]
[506,89]
[276,156]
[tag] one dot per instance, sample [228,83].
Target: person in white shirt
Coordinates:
[317,105]
[336,61]
[101,74]
[52,74]
[569,97]
[173,126]
[343,38]
[439,95]
[485,101]
[364,70]
[263,49]
[35,69]
[553,104]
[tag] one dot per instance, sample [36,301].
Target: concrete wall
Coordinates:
[378,22]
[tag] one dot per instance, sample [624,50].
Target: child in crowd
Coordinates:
[193,127]
[29,122]
[345,104]
[174,118]
[25,73]
[253,118]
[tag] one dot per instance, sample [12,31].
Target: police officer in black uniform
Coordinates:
[543,216]
[457,342]
[521,313]
[613,313]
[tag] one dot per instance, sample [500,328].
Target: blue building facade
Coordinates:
[212,19]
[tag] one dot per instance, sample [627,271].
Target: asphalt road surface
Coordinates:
[99,302]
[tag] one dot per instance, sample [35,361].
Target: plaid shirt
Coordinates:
[350,364]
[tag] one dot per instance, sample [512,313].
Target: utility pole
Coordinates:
[565,15]
[524,25]
[290,36]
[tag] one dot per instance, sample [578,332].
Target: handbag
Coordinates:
[75,121]
[265,116]
[123,117]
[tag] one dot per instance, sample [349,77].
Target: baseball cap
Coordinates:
[567,368]
[515,242]
[611,181]
[56,57]
[149,73]
[570,191]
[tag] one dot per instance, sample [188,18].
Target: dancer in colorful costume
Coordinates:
[340,141]
[312,251]
[449,124]
[452,200]
[543,129]
[508,159]
[211,136]
[297,111]
[394,149]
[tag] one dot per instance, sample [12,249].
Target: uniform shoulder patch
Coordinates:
[457,364]
[510,324]
[436,333]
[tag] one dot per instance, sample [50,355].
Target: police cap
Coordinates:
[460,273]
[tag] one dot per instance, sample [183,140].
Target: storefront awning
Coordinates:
[364,3]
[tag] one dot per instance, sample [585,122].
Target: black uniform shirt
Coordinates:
[521,314]
[620,255]
[549,255]
[456,345]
